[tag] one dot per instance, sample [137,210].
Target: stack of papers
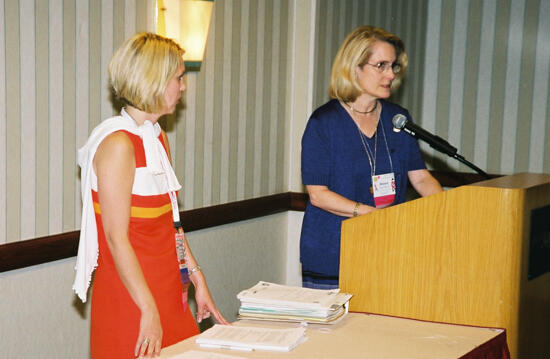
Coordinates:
[271,301]
[251,338]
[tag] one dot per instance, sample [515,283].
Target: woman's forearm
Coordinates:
[195,273]
[424,183]
[130,273]
[324,198]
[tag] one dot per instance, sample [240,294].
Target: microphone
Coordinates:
[400,122]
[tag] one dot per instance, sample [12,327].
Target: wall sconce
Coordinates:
[187,22]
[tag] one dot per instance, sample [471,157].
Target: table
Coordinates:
[375,336]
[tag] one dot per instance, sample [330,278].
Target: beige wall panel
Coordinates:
[129,17]
[281,176]
[96,74]
[69,116]
[537,153]
[484,80]
[12,138]
[225,105]
[187,145]
[40,318]
[42,119]
[82,87]
[206,115]
[28,118]
[3,147]
[243,99]
[55,120]
[106,51]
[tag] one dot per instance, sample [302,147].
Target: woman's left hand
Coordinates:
[424,183]
[205,304]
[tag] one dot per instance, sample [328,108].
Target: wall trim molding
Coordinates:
[65,245]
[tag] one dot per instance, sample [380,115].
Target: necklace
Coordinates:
[363,112]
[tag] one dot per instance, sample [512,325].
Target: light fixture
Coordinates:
[187,22]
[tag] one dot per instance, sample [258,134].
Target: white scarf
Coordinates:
[157,162]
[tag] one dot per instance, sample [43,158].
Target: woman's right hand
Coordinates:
[149,341]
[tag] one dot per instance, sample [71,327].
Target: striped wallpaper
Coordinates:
[53,91]
[227,137]
[478,76]
[486,82]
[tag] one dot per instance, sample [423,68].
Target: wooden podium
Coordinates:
[461,257]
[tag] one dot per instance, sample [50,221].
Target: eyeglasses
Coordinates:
[383,66]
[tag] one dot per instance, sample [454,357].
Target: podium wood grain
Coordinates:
[459,257]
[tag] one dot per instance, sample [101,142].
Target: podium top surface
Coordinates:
[517,181]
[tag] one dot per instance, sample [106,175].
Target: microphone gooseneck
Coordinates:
[400,122]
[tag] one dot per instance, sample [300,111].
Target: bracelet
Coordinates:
[357,204]
[194,270]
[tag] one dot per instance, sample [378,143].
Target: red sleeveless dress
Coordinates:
[114,315]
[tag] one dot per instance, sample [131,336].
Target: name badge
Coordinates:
[383,189]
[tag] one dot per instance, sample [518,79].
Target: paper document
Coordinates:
[243,338]
[298,297]
[333,318]
[195,354]
[280,302]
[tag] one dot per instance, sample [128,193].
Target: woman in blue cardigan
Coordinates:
[353,162]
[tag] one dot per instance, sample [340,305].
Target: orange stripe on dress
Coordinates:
[149,201]
[142,212]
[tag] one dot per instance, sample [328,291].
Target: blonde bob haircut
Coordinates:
[356,51]
[141,68]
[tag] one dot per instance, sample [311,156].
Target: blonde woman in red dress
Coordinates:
[139,301]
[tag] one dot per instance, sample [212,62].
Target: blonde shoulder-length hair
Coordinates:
[141,68]
[355,52]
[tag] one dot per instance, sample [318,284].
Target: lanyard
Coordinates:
[180,238]
[372,161]
[175,210]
